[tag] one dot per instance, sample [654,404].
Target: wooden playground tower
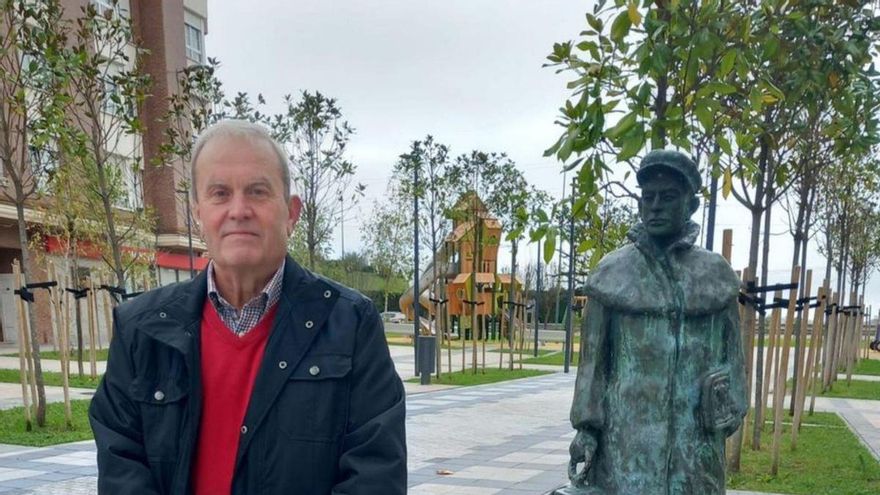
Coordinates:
[467,275]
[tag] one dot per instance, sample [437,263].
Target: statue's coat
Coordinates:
[657,322]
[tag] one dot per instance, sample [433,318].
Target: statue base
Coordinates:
[573,490]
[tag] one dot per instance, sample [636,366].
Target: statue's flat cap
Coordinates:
[674,160]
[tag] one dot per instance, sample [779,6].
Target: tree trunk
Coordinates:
[35,343]
[511,296]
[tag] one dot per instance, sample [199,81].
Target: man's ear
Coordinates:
[695,204]
[194,213]
[294,209]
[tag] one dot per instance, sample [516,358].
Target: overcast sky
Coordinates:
[466,71]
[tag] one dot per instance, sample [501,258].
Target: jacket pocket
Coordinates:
[314,404]
[163,410]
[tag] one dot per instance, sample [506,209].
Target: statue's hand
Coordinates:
[581,450]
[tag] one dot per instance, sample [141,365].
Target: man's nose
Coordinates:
[655,202]
[240,207]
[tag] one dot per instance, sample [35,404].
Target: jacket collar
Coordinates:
[176,322]
[645,243]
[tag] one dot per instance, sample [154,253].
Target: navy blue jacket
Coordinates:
[326,415]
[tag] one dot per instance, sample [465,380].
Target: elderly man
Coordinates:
[257,376]
[661,382]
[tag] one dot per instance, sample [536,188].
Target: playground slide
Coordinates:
[425,282]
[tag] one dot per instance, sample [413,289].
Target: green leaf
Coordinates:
[594,22]
[631,146]
[633,12]
[622,127]
[578,209]
[721,88]
[620,27]
[549,245]
[586,244]
[727,62]
[724,144]
[567,145]
[704,115]
[727,183]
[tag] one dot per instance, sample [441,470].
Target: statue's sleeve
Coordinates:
[735,361]
[587,408]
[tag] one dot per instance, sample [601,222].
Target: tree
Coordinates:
[430,161]
[388,240]
[33,68]
[315,137]
[107,87]
[725,80]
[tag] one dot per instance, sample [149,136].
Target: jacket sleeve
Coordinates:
[373,453]
[116,423]
[735,361]
[587,408]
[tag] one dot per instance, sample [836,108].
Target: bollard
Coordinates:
[426,349]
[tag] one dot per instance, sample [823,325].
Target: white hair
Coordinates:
[242,129]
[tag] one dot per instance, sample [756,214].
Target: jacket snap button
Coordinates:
[314,370]
[243,430]
[162,314]
[159,395]
[327,294]
[309,324]
[282,364]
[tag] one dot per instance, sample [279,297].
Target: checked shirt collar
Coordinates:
[242,321]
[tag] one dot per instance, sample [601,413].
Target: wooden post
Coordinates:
[502,339]
[852,343]
[461,334]
[828,350]
[108,315]
[23,363]
[816,345]
[93,368]
[772,357]
[63,349]
[782,372]
[840,341]
[797,393]
[484,336]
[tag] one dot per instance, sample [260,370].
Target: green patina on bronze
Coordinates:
[661,382]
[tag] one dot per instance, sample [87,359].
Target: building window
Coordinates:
[44,162]
[194,43]
[111,96]
[130,194]
[104,6]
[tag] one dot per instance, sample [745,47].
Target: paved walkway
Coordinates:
[507,438]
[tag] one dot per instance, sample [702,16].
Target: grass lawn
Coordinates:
[556,358]
[829,460]
[526,352]
[52,378]
[857,389]
[100,355]
[491,375]
[12,426]
[868,367]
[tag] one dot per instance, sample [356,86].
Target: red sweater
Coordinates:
[229,367]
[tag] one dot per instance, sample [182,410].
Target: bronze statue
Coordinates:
[661,382]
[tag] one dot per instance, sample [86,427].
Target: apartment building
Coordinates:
[173,33]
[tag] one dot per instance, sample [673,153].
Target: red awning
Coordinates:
[180,261]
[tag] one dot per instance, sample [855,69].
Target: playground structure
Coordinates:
[465,282]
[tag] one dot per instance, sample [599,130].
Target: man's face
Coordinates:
[244,218]
[665,205]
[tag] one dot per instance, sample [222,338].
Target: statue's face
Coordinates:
[665,206]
